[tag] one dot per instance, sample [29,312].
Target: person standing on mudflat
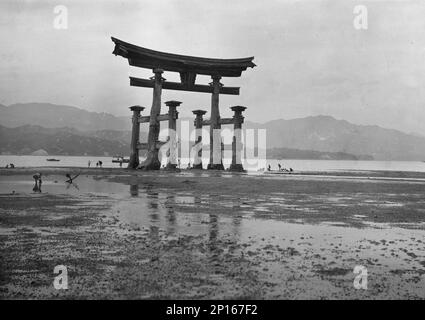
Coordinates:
[37,182]
[70,179]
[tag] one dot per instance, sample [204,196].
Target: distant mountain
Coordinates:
[36,140]
[111,135]
[327,134]
[57,116]
[63,141]
[319,133]
[287,153]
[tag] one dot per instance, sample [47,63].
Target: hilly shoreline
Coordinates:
[67,130]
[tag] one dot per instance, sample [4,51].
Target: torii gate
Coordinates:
[188,67]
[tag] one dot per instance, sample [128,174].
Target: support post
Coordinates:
[152,161]
[135,135]
[172,134]
[237,139]
[197,160]
[216,161]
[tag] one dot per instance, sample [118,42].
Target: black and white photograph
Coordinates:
[226,151]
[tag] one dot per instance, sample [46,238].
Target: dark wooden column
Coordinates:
[216,161]
[152,161]
[237,139]
[135,134]
[172,134]
[197,160]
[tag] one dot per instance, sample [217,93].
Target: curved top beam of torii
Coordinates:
[146,58]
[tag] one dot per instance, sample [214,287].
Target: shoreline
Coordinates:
[120,171]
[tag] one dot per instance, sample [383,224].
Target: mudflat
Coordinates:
[206,234]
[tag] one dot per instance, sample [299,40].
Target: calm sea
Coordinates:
[298,165]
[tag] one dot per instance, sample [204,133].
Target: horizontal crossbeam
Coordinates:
[161,117]
[207,122]
[150,59]
[147,83]
[144,145]
[144,119]
[226,121]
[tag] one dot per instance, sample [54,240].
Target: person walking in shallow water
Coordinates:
[88,164]
[37,182]
[35,188]
[70,179]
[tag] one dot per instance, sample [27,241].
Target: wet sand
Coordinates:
[200,234]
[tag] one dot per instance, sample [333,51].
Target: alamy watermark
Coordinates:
[360,21]
[61,280]
[239,146]
[60,20]
[360,281]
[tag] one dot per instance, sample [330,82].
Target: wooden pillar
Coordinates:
[237,139]
[216,161]
[135,134]
[172,135]
[152,161]
[197,161]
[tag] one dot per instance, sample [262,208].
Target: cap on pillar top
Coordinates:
[172,103]
[199,112]
[238,108]
[137,108]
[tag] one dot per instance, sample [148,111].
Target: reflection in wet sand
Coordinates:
[278,249]
[134,190]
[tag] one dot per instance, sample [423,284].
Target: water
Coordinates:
[311,260]
[349,165]
[297,165]
[65,161]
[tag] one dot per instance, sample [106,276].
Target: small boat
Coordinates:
[118,159]
[52,159]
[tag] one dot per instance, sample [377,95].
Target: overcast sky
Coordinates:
[310,58]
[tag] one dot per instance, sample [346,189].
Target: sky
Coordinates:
[310,58]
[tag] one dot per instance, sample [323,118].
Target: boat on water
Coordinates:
[52,159]
[118,159]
